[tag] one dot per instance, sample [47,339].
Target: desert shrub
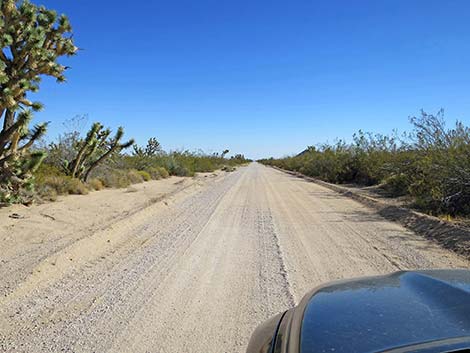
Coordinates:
[63,148]
[203,165]
[96,184]
[180,163]
[47,193]
[46,170]
[158,173]
[53,185]
[121,170]
[163,172]
[134,176]
[396,185]
[52,182]
[115,179]
[180,170]
[154,173]
[145,175]
[441,170]
[431,163]
[76,187]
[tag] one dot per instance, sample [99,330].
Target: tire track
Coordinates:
[199,274]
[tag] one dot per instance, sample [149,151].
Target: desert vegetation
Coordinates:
[430,163]
[33,39]
[76,164]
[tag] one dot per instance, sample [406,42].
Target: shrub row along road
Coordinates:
[198,271]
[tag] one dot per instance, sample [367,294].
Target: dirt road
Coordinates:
[197,270]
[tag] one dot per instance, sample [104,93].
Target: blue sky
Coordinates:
[264,78]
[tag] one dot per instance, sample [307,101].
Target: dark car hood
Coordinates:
[382,313]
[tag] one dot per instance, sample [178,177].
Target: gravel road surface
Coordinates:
[198,270]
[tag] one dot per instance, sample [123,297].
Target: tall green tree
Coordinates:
[32,39]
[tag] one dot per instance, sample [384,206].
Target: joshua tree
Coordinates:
[32,38]
[95,148]
[153,148]
[16,162]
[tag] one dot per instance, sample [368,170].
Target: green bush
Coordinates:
[46,170]
[163,172]
[180,163]
[158,173]
[115,179]
[396,185]
[431,164]
[120,171]
[53,185]
[145,175]
[180,170]
[134,176]
[154,173]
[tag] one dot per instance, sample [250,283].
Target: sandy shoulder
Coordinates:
[44,229]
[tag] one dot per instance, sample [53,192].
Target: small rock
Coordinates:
[16,216]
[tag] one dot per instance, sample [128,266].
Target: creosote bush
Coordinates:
[115,179]
[157,173]
[53,185]
[431,163]
[134,176]
[145,175]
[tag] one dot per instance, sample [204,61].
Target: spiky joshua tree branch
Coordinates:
[94,149]
[32,39]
